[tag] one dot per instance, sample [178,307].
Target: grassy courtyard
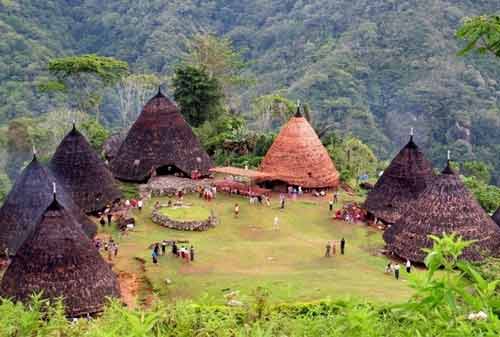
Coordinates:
[196,212]
[243,253]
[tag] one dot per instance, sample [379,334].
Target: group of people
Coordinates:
[351,213]
[183,252]
[395,268]
[331,248]
[110,247]
[207,193]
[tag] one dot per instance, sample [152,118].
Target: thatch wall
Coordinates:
[60,261]
[26,202]
[406,177]
[297,157]
[80,170]
[159,138]
[444,206]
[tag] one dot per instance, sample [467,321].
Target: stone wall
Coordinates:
[168,185]
[197,226]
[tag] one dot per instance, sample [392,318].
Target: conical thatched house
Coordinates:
[160,142]
[298,158]
[60,261]
[444,206]
[496,217]
[407,176]
[26,202]
[82,173]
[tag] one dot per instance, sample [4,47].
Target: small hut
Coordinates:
[82,173]
[298,158]
[496,216]
[160,143]
[58,260]
[407,176]
[444,206]
[26,202]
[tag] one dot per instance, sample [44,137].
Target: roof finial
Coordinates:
[298,114]
[54,189]
[411,132]
[74,124]
[34,151]
[159,89]
[449,155]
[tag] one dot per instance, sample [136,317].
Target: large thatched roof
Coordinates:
[407,175]
[444,206]
[297,157]
[26,202]
[60,261]
[80,170]
[159,138]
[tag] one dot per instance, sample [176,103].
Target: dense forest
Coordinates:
[370,68]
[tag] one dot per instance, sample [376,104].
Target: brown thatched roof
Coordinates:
[60,261]
[407,176]
[26,202]
[297,157]
[80,170]
[496,217]
[160,137]
[444,206]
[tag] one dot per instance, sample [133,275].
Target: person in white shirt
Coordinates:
[140,204]
[276,225]
[408,266]
[396,271]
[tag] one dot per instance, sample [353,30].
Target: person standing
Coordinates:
[408,266]
[236,210]
[175,249]
[335,197]
[154,256]
[191,253]
[396,271]
[342,246]
[282,203]
[157,249]
[328,249]
[330,205]
[140,203]
[276,225]
[163,247]
[115,248]
[334,248]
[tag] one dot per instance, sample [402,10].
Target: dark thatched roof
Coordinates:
[496,217]
[159,138]
[444,206]
[60,261]
[298,157]
[82,173]
[407,175]
[26,202]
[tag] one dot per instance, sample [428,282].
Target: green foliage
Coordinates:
[488,196]
[130,191]
[85,76]
[482,34]
[352,157]
[198,94]
[96,133]
[477,169]
[5,185]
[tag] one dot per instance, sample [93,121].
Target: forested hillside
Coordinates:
[371,67]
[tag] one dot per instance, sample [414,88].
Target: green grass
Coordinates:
[244,253]
[194,213]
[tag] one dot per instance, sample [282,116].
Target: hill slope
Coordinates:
[373,67]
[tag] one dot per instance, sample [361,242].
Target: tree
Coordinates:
[83,78]
[482,34]
[198,94]
[478,170]
[133,92]
[221,61]
[273,110]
